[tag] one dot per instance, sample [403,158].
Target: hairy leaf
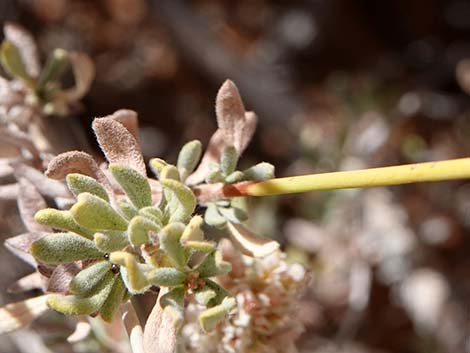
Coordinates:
[115,297]
[181,200]
[166,276]
[79,183]
[193,230]
[133,276]
[228,160]
[61,220]
[89,278]
[211,317]
[170,243]
[110,241]
[213,265]
[188,158]
[259,172]
[134,184]
[139,229]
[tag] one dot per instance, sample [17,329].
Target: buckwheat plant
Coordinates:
[126,234]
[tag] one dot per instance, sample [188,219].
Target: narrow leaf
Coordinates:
[133,276]
[188,158]
[259,172]
[61,220]
[12,62]
[213,265]
[110,241]
[26,45]
[181,200]
[89,278]
[211,317]
[193,230]
[115,297]
[58,248]
[134,184]
[228,160]
[92,212]
[170,242]
[229,110]
[166,276]
[56,64]
[139,229]
[79,183]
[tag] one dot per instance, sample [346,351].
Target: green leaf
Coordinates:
[213,265]
[169,172]
[72,305]
[59,248]
[211,317]
[135,185]
[193,230]
[138,230]
[204,294]
[214,176]
[152,213]
[92,212]
[228,160]
[83,284]
[57,63]
[79,183]
[110,241]
[115,298]
[181,201]
[166,276]
[235,177]
[12,62]
[61,220]
[259,172]
[170,243]
[202,246]
[212,216]
[220,292]
[133,274]
[127,209]
[174,298]
[188,158]
[157,164]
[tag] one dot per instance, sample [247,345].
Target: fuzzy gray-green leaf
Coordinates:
[188,158]
[111,240]
[233,214]
[89,278]
[166,276]
[157,165]
[170,242]
[211,317]
[181,201]
[138,230]
[259,172]
[58,248]
[72,305]
[204,294]
[61,220]
[115,298]
[79,183]
[213,265]
[228,160]
[127,209]
[92,212]
[134,184]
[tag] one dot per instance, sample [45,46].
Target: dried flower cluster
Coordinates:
[127,234]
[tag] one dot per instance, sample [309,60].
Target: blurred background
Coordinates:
[337,85]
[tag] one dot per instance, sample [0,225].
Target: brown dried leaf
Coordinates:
[21,141]
[17,315]
[20,244]
[30,201]
[212,155]
[230,111]
[45,186]
[83,72]
[129,119]
[249,243]
[118,144]
[23,40]
[161,329]
[246,132]
[133,327]
[29,282]
[61,277]
[76,162]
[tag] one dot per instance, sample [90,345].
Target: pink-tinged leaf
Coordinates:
[212,155]
[133,327]
[82,330]
[61,277]
[249,243]
[118,144]
[246,132]
[162,328]
[44,185]
[76,162]
[32,281]
[23,40]
[229,110]
[83,72]
[129,119]
[9,192]
[17,315]
[21,244]
[30,201]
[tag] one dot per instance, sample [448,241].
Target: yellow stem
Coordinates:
[402,174]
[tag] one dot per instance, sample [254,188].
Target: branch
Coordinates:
[364,178]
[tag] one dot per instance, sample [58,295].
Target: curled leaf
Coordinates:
[127,209]
[89,278]
[92,212]
[115,297]
[58,248]
[83,72]
[110,241]
[72,305]
[213,265]
[181,200]
[133,276]
[82,331]
[204,294]
[139,229]
[170,243]
[213,217]
[128,118]
[157,165]
[79,183]
[118,144]
[193,231]
[134,184]
[211,317]
[250,244]
[61,220]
